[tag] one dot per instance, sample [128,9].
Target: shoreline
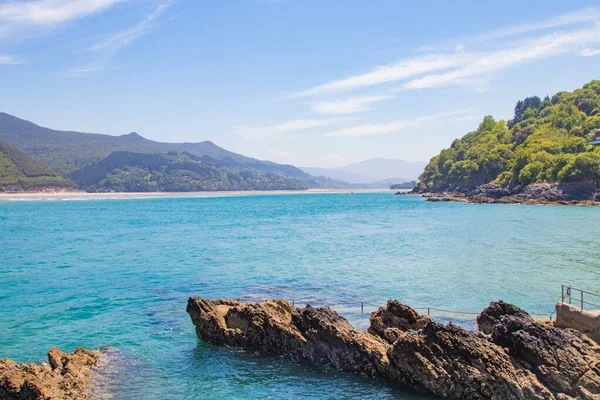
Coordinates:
[79,195]
[458,198]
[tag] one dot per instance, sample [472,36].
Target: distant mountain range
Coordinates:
[376,171]
[130,162]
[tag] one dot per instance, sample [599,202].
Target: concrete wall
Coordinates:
[569,316]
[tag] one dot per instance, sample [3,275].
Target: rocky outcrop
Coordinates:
[493,313]
[66,376]
[537,193]
[315,335]
[511,357]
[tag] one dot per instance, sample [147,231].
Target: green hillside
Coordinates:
[545,142]
[19,172]
[67,152]
[174,172]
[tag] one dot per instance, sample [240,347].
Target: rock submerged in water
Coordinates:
[511,357]
[66,376]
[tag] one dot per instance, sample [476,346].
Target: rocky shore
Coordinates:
[511,356]
[539,193]
[66,376]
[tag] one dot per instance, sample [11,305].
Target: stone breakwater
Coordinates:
[511,357]
[65,377]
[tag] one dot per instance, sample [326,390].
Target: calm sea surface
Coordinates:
[118,273]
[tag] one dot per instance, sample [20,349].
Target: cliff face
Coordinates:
[518,358]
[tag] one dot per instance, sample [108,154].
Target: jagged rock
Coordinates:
[522,359]
[390,321]
[460,364]
[66,377]
[492,314]
[316,335]
[564,360]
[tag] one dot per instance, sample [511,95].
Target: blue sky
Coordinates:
[305,82]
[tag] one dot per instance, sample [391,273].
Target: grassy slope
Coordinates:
[19,172]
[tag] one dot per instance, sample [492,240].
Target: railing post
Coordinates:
[428,312]
[293,303]
[581,291]
[362,307]
[562,293]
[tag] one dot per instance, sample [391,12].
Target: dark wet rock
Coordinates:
[492,314]
[460,364]
[522,359]
[583,192]
[564,360]
[316,335]
[66,377]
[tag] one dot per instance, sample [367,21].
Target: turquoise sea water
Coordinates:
[118,273]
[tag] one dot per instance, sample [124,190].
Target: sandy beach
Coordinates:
[124,196]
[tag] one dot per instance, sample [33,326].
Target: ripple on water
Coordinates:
[118,273]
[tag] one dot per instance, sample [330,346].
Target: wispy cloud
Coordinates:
[389,127]
[9,60]
[16,16]
[576,17]
[349,105]
[388,73]
[532,49]
[107,48]
[457,65]
[589,52]
[120,39]
[257,132]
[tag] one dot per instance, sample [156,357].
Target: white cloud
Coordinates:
[457,65]
[388,73]
[576,17]
[532,49]
[18,15]
[106,49]
[349,105]
[123,38]
[279,153]
[300,124]
[9,60]
[389,127]
[589,52]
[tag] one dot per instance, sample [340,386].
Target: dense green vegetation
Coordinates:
[174,172]
[133,163]
[66,152]
[19,172]
[546,141]
[404,185]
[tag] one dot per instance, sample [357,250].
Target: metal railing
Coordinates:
[431,311]
[581,297]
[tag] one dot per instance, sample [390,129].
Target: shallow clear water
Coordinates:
[118,273]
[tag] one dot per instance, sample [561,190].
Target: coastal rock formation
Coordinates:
[511,357]
[66,376]
[493,314]
[538,193]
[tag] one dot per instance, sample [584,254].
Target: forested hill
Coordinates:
[19,172]
[136,172]
[545,142]
[66,151]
